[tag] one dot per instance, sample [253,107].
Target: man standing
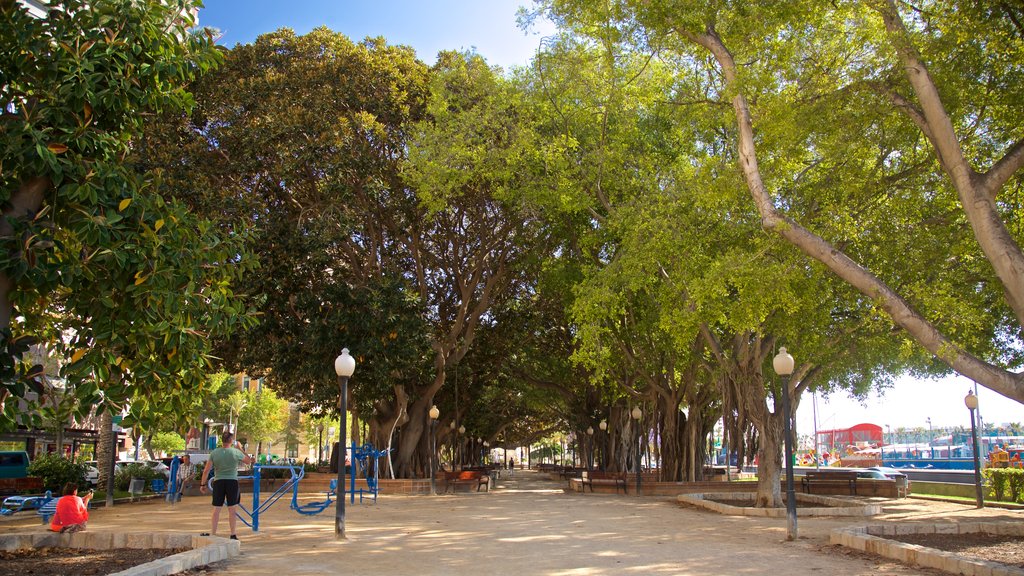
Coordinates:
[224,461]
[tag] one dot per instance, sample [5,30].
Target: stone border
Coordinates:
[830,506]
[204,549]
[870,539]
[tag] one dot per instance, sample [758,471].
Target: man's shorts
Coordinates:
[226,491]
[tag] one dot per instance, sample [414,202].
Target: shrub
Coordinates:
[1016,482]
[998,481]
[124,476]
[55,470]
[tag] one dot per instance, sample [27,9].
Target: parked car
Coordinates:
[892,474]
[92,473]
[13,464]
[158,466]
[871,474]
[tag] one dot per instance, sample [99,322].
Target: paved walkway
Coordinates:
[527,526]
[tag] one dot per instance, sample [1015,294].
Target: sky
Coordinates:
[909,403]
[486,26]
[489,27]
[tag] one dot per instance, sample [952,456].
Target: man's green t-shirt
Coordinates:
[225,463]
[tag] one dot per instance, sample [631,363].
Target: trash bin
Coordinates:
[136,486]
[902,487]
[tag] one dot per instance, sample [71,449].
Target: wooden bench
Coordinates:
[568,473]
[467,478]
[591,477]
[831,478]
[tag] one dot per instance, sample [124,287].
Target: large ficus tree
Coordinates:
[880,139]
[303,136]
[94,263]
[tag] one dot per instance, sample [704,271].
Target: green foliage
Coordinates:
[122,480]
[94,250]
[1003,482]
[56,471]
[320,122]
[167,442]
[262,417]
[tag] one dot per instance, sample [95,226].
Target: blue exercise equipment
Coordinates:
[361,455]
[14,504]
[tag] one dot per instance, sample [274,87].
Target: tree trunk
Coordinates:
[105,455]
[769,493]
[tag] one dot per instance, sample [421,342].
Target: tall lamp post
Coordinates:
[971,401]
[320,444]
[783,364]
[590,453]
[637,414]
[462,433]
[604,450]
[344,366]
[433,413]
[930,447]
[451,443]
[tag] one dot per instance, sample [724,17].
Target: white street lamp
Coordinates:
[344,366]
[783,364]
[433,413]
[637,414]
[971,401]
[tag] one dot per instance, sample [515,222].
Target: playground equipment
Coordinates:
[14,504]
[361,455]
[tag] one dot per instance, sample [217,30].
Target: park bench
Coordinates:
[467,478]
[568,473]
[830,478]
[591,477]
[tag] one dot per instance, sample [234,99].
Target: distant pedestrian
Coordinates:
[72,511]
[511,465]
[224,461]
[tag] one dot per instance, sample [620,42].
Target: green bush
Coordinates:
[1003,480]
[1016,483]
[997,482]
[55,470]
[124,476]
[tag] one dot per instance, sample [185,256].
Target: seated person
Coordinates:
[72,510]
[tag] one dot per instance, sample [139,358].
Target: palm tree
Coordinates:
[105,455]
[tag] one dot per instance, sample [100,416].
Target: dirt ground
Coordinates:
[529,525]
[65,561]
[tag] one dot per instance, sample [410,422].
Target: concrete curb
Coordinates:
[829,506]
[204,549]
[873,539]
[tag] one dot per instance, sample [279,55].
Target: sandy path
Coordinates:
[528,525]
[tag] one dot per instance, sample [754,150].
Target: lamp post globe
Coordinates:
[971,401]
[434,413]
[637,414]
[783,364]
[344,367]
[603,425]
[590,451]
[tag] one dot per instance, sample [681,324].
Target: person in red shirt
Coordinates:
[72,510]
